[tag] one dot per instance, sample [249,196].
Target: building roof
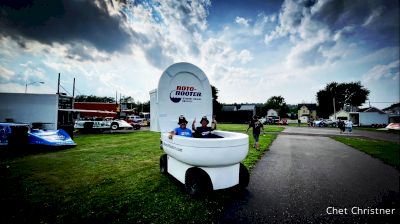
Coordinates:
[248,107]
[370,109]
[310,106]
[228,108]
[393,106]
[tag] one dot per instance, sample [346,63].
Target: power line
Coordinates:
[65,89]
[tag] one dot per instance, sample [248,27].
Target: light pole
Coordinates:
[26,85]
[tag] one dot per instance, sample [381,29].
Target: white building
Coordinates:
[272,113]
[369,116]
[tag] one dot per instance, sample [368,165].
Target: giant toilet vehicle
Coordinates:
[201,164]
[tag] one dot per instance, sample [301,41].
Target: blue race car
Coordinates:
[19,134]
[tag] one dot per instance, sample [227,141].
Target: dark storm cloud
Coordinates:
[370,24]
[374,20]
[64,22]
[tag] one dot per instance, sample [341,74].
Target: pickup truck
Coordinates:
[134,118]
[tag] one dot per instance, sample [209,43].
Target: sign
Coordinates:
[185,94]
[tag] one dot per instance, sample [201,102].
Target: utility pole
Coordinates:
[73,89]
[334,108]
[58,86]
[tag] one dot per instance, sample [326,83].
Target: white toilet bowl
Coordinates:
[231,149]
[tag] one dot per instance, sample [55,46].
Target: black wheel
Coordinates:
[163,164]
[114,126]
[197,182]
[244,177]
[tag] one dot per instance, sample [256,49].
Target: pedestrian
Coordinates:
[349,126]
[257,126]
[298,122]
[341,126]
[182,130]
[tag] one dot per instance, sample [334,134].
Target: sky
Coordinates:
[250,50]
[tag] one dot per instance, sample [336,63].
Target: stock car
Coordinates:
[102,124]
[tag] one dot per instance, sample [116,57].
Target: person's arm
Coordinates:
[248,128]
[171,134]
[193,127]
[214,124]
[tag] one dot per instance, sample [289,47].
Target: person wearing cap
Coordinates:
[203,131]
[182,130]
[257,126]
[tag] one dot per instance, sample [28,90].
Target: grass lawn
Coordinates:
[107,178]
[388,152]
[377,130]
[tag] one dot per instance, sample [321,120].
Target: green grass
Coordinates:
[107,178]
[243,128]
[377,130]
[388,152]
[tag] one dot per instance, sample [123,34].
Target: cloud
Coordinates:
[262,22]
[74,22]
[29,73]
[244,56]
[242,21]
[342,23]
[5,74]
[383,72]
[168,30]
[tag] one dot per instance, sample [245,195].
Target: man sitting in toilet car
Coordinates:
[203,131]
[181,130]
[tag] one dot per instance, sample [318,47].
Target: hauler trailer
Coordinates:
[201,164]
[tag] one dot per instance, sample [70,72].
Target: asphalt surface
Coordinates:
[303,175]
[335,132]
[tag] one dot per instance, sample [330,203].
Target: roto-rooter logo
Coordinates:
[184,94]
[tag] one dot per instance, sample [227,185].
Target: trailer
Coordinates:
[30,109]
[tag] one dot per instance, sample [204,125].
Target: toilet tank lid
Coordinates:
[183,89]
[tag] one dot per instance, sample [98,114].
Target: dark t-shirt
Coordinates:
[256,125]
[201,132]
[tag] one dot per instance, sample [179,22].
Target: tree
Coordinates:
[353,94]
[93,98]
[276,103]
[217,106]
[129,102]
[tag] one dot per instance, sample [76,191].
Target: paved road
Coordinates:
[301,176]
[334,131]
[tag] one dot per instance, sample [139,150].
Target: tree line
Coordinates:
[127,100]
[338,94]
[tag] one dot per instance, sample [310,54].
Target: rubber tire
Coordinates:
[164,164]
[244,176]
[197,182]
[114,126]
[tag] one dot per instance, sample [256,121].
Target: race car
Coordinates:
[102,124]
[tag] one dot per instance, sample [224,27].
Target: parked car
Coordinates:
[136,126]
[272,120]
[282,122]
[331,123]
[134,118]
[98,124]
[319,123]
